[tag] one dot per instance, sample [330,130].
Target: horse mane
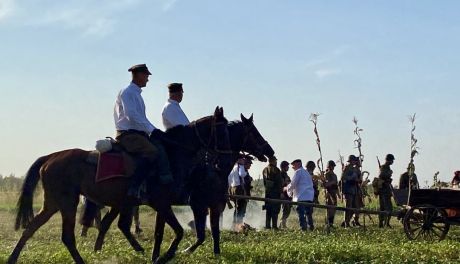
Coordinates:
[177,133]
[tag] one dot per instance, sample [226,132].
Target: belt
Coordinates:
[131,131]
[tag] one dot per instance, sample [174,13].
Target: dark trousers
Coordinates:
[272,211]
[331,199]
[385,205]
[305,216]
[350,202]
[286,209]
[240,205]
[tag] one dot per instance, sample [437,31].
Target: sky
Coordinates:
[62,64]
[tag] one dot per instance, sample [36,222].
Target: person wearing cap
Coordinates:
[236,187]
[310,167]
[385,191]
[273,188]
[172,112]
[136,134]
[301,190]
[247,179]
[350,177]
[285,207]
[332,191]
[409,178]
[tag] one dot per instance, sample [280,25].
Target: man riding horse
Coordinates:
[133,131]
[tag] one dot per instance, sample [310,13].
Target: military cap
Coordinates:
[331,163]
[175,87]
[390,157]
[140,68]
[352,158]
[310,165]
[295,161]
[284,164]
[457,173]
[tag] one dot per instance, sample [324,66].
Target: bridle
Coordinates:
[212,136]
[248,134]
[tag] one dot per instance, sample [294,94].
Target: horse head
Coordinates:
[212,132]
[247,138]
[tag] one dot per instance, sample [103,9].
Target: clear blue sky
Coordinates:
[63,62]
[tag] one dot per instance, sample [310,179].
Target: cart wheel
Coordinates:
[426,223]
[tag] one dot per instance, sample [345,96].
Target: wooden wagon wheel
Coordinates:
[426,223]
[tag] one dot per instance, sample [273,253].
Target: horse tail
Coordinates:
[25,212]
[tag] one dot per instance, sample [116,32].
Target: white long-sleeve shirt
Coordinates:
[173,115]
[129,110]
[301,186]
[236,176]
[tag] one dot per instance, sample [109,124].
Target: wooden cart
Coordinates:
[430,213]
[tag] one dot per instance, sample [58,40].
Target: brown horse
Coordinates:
[210,186]
[67,174]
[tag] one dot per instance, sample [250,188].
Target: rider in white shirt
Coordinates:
[137,134]
[172,112]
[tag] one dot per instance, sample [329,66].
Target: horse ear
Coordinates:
[216,111]
[222,110]
[251,118]
[244,119]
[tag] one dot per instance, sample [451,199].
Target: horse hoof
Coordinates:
[140,249]
[97,247]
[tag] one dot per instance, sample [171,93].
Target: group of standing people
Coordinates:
[304,187]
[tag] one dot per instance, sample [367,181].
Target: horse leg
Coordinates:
[199,215]
[68,232]
[104,227]
[124,224]
[40,219]
[215,216]
[172,221]
[159,231]
[137,222]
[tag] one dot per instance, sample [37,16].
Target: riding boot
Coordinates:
[162,163]
[142,168]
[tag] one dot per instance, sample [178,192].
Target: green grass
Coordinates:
[370,245]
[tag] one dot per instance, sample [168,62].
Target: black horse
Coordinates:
[210,186]
[67,174]
[244,136]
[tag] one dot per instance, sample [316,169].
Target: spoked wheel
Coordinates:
[426,223]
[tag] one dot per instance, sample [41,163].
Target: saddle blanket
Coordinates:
[110,165]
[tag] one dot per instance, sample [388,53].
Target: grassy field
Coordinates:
[369,245]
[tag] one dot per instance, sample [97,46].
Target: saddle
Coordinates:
[111,160]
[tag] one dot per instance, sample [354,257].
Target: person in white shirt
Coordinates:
[172,112]
[136,134]
[236,187]
[301,190]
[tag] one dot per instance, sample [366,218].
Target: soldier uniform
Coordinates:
[405,180]
[385,191]
[332,191]
[310,167]
[273,188]
[286,208]
[359,196]
[350,176]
